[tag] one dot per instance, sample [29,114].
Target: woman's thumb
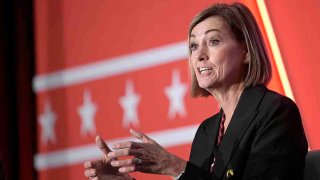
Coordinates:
[102,145]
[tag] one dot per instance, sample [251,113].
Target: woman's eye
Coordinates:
[193,46]
[213,42]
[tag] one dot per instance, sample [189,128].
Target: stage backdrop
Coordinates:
[104,66]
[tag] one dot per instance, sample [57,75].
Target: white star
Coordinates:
[87,112]
[176,93]
[129,104]
[47,121]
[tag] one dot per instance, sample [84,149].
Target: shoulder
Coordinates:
[273,101]
[268,106]
[264,101]
[277,109]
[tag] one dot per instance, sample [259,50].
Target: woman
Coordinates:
[257,134]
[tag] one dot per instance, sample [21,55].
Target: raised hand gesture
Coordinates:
[146,156]
[101,169]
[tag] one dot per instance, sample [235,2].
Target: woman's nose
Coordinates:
[202,53]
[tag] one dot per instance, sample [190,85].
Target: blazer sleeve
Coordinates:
[194,172]
[279,147]
[200,156]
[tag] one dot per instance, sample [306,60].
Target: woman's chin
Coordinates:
[209,85]
[205,86]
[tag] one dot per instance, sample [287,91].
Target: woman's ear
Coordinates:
[246,53]
[247,58]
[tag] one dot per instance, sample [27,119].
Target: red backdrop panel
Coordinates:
[95,53]
[297,25]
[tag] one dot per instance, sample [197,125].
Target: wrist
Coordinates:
[176,166]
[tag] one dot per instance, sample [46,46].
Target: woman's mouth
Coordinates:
[204,70]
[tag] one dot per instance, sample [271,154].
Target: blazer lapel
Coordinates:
[211,132]
[240,121]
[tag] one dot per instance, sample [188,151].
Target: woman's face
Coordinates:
[217,58]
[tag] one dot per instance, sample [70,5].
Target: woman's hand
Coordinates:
[101,169]
[148,157]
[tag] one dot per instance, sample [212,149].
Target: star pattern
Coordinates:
[87,113]
[129,103]
[47,122]
[176,93]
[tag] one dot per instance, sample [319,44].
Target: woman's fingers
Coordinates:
[88,164]
[144,138]
[126,162]
[102,145]
[135,145]
[90,172]
[124,152]
[127,169]
[128,144]
[93,164]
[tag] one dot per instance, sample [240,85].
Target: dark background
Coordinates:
[17,112]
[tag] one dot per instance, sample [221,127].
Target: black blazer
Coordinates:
[264,140]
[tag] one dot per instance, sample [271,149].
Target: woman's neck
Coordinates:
[228,98]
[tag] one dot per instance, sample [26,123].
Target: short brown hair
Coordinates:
[246,30]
